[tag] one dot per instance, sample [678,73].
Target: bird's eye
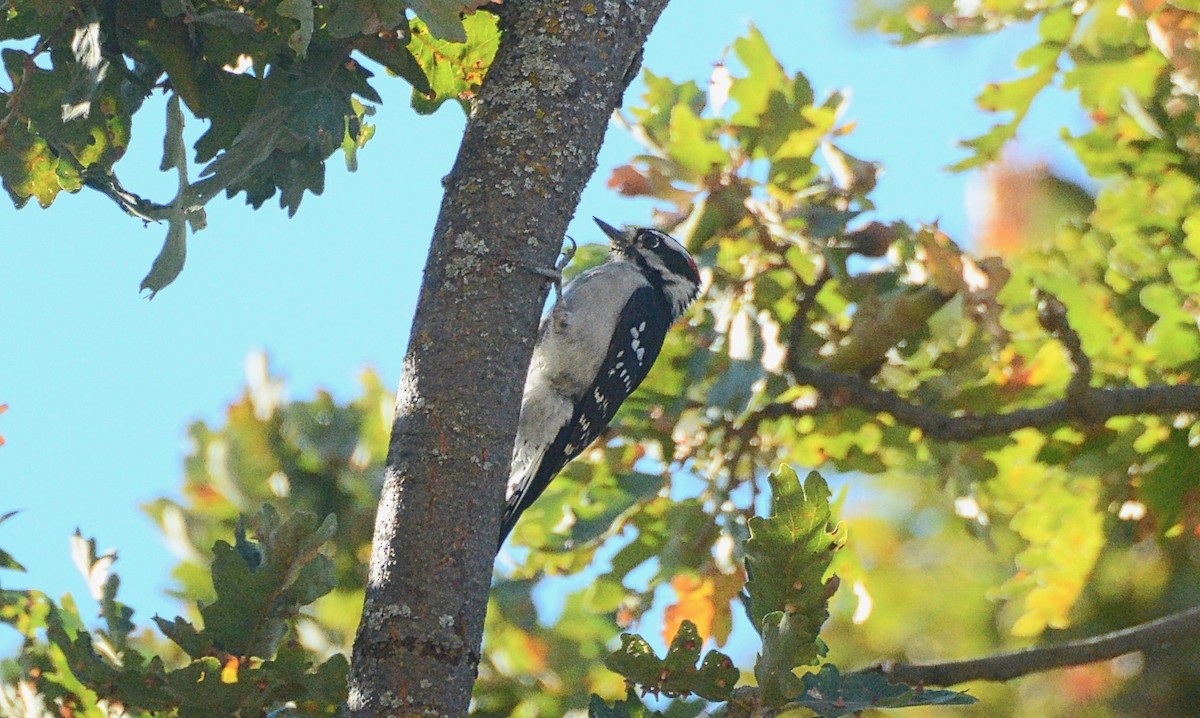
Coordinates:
[651,240]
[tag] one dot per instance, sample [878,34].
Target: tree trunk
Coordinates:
[529,148]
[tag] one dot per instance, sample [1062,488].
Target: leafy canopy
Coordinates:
[281,85]
[1007,536]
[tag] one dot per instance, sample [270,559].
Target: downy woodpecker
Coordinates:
[594,347]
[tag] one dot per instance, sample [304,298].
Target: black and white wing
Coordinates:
[641,328]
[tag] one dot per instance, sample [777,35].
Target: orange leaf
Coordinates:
[628,181]
[920,14]
[695,604]
[536,652]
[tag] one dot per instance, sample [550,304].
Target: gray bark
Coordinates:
[529,148]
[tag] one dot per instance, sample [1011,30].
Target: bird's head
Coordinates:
[661,257]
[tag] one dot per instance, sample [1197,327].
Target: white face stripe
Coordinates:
[671,242]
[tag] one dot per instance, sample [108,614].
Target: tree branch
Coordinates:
[1089,407]
[1178,627]
[1082,405]
[1175,628]
[529,148]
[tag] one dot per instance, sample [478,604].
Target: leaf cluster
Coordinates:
[318,456]
[243,661]
[281,85]
[786,599]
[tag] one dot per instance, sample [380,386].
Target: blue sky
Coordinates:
[102,384]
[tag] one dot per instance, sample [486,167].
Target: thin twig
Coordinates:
[107,184]
[1052,315]
[1174,628]
[804,306]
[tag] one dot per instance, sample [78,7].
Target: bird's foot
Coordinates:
[555,274]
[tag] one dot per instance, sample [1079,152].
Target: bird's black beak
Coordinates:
[616,236]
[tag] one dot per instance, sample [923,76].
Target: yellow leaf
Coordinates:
[1049,367]
[229,672]
[726,587]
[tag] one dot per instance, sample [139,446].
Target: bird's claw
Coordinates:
[561,264]
[555,274]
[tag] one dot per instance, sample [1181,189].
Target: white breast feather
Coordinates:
[567,358]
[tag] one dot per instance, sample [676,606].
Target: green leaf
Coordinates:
[608,500]
[767,76]
[661,97]
[40,152]
[30,19]
[986,147]
[397,57]
[88,72]
[787,642]
[1163,300]
[260,586]
[1104,85]
[299,119]
[169,262]
[787,556]
[1059,519]
[831,694]
[238,23]
[174,150]
[1015,96]
[443,18]
[28,168]
[1175,342]
[676,674]
[185,635]
[1058,25]
[135,681]
[455,69]
[302,12]
[882,322]
[1191,241]
[629,707]
[692,143]
[358,133]
[6,559]
[367,18]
